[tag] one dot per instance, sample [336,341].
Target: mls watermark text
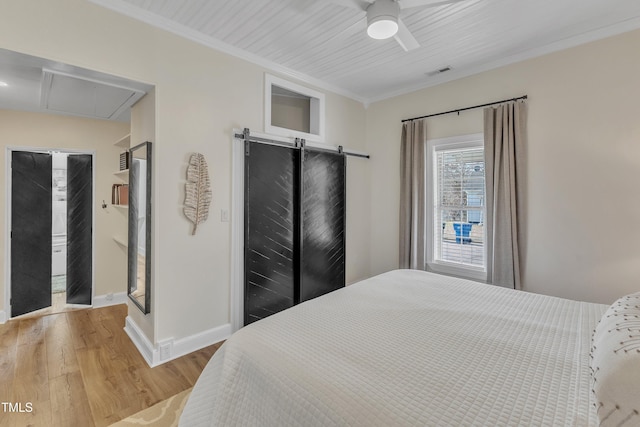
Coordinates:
[16,407]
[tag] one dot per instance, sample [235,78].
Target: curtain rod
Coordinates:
[466,108]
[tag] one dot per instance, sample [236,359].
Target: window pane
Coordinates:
[459,207]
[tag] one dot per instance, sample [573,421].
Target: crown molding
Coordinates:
[157,21]
[590,36]
[125,8]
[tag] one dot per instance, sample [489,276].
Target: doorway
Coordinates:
[51,228]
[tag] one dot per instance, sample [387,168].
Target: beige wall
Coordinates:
[201,95]
[583,200]
[583,155]
[290,113]
[34,130]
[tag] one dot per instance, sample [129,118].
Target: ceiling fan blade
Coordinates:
[408,4]
[405,38]
[353,4]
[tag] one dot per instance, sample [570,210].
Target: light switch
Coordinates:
[224,215]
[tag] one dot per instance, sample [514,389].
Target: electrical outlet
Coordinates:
[110,296]
[165,351]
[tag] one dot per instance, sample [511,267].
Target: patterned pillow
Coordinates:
[615,363]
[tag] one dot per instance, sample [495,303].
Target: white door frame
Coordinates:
[7,214]
[236,305]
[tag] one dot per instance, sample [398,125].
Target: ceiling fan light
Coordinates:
[382,19]
[382,28]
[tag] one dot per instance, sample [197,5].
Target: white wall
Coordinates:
[583,201]
[18,129]
[201,95]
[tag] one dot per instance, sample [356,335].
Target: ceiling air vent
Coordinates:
[438,71]
[82,96]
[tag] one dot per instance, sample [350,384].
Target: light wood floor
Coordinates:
[58,305]
[79,368]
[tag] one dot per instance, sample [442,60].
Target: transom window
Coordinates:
[456,208]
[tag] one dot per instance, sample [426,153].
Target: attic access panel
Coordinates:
[69,94]
[292,110]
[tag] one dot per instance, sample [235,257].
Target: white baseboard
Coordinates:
[140,340]
[109,299]
[170,349]
[3,317]
[200,340]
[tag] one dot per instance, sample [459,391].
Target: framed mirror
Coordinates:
[139,242]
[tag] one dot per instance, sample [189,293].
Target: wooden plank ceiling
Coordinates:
[326,41]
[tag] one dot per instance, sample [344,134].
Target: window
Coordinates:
[456,210]
[293,110]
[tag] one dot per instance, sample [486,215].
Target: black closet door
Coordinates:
[270,236]
[31,223]
[323,219]
[79,228]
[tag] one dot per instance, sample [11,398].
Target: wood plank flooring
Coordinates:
[80,368]
[58,305]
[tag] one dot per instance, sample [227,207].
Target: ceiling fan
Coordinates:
[383,17]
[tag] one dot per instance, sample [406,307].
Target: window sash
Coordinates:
[452,192]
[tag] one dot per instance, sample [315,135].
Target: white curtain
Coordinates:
[413,195]
[505,141]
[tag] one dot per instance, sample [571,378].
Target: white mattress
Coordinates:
[406,348]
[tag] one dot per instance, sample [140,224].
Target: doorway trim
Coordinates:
[6,315]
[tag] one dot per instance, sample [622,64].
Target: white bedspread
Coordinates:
[406,348]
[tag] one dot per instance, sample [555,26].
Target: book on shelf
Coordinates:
[120,194]
[124,161]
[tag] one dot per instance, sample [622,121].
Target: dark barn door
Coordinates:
[322,252]
[79,228]
[270,237]
[31,223]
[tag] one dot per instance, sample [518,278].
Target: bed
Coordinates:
[410,348]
